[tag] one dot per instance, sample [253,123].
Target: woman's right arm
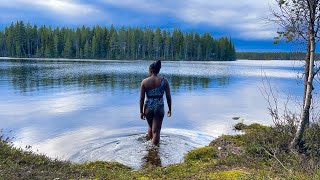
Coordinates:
[142,95]
[168,96]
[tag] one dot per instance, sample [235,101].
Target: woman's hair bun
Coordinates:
[158,64]
[155,67]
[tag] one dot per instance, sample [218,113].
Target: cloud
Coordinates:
[65,11]
[66,7]
[141,5]
[244,20]
[45,106]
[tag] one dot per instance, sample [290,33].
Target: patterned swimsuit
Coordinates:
[154,96]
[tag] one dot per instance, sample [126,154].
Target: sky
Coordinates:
[243,20]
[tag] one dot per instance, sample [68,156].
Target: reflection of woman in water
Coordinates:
[152,157]
[154,87]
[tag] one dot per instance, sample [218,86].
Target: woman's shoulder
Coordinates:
[147,80]
[164,79]
[144,80]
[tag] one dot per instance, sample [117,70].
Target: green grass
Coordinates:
[256,154]
[18,164]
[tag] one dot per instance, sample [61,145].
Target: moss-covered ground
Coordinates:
[259,153]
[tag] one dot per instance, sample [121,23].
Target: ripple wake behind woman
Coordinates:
[154,88]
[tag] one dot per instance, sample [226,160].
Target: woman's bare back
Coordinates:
[152,82]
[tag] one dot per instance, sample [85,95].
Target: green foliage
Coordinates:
[263,139]
[18,40]
[254,126]
[239,126]
[229,175]
[17,163]
[312,141]
[203,154]
[210,162]
[87,50]
[67,51]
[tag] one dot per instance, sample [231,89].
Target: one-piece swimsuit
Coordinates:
[155,96]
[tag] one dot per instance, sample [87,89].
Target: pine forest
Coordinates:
[26,40]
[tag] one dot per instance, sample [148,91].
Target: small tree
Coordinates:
[300,20]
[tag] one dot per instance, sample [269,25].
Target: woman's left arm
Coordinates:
[142,95]
[168,96]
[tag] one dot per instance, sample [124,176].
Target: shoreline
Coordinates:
[128,60]
[105,60]
[227,157]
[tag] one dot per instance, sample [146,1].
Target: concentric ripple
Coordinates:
[135,151]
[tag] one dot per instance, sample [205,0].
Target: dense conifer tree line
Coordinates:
[26,40]
[273,55]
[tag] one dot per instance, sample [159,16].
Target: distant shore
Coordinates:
[273,55]
[119,60]
[99,60]
[60,59]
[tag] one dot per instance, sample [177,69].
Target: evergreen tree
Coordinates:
[19,40]
[47,52]
[67,51]
[56,46]
[87,50]
[157,43]
[113,43]
[94,48]
[2,44]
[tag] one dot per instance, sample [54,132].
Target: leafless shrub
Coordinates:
[5,138]
[283,115]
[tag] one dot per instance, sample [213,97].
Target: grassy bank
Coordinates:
[259,153]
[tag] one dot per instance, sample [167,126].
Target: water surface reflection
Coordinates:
[30,77]
[85,111]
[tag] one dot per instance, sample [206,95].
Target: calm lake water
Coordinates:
[86,111]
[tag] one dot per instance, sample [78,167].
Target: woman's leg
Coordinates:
[149,117]
[156,124]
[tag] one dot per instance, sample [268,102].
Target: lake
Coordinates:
[89,110]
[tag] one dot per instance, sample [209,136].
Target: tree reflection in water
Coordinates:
[152,157]
[29,77]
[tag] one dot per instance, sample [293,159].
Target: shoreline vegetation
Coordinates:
[128,60]
[258,153]
[20,40]
[273,55]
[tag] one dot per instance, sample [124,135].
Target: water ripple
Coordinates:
[135,151]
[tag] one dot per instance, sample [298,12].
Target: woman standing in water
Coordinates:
[154,87]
